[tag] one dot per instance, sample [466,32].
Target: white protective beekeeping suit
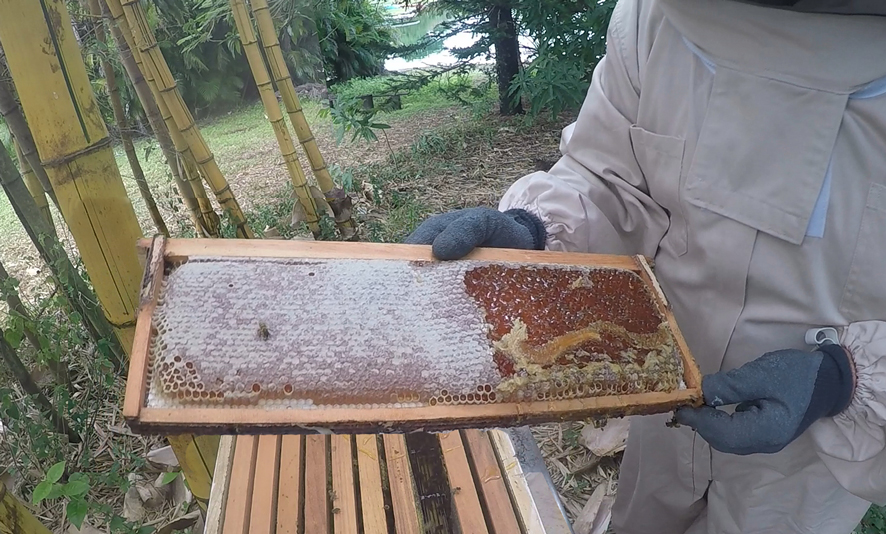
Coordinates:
[744,149]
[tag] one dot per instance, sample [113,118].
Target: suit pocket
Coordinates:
[864,297]
[660,158]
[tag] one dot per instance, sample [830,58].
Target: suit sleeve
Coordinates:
[595,198]
[853,444]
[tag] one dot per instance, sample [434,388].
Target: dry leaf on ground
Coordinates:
[608,440]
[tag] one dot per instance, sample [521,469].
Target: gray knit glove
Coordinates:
[455,234]
[779,395]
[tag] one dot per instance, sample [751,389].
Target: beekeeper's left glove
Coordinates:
[778,396]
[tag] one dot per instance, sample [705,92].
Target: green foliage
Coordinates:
[169,477]
[874,521]
[73,477]
[320,39]
[354,38]
[570,38]
[75,489]
[417,91]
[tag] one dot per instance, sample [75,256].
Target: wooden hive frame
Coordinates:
[161,252]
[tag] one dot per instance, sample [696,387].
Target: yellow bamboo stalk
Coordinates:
[33,185]
[335,196]
[275,116]
[15,517]
[153,59]
[195,454]
[190,185]
[72,141]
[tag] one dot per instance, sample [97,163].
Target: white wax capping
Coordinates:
[369,326]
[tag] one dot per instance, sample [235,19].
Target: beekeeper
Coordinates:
[743,147]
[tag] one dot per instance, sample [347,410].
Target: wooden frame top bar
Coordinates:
[255,420]
[181,249]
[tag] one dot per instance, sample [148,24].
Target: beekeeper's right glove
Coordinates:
[455,234]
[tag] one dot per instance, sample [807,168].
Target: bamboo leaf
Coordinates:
[168,477]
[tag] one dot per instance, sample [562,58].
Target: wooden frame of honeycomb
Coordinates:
[254,336]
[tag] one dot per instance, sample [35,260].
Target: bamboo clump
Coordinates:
[75,149]
[122,125]
[195,454]
[78,294]
[155,64]
[336,197]
[193,194]
[275,116]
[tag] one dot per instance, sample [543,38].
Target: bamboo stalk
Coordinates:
[33,184]
[190,174]
[18,369]
[174,147]
[17,307]
[80,297]
[15,517]
[335,196]
[185,162]
[18,126]
[75,150]
[275,116]
[154,62]
[120,117]
[195,454]
[142,91]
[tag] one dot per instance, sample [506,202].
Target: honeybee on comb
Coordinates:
[263,332]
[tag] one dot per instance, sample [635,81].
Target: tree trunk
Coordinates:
[507,55]
[18,127]
[69,281]
[59,369]
[31,388]
[122,126]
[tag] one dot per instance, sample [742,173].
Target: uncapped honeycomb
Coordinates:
[388,333]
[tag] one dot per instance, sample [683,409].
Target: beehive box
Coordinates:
[254,336]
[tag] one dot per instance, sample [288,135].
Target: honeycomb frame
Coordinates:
[164,255]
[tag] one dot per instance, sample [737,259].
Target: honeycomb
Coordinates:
[304,334]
